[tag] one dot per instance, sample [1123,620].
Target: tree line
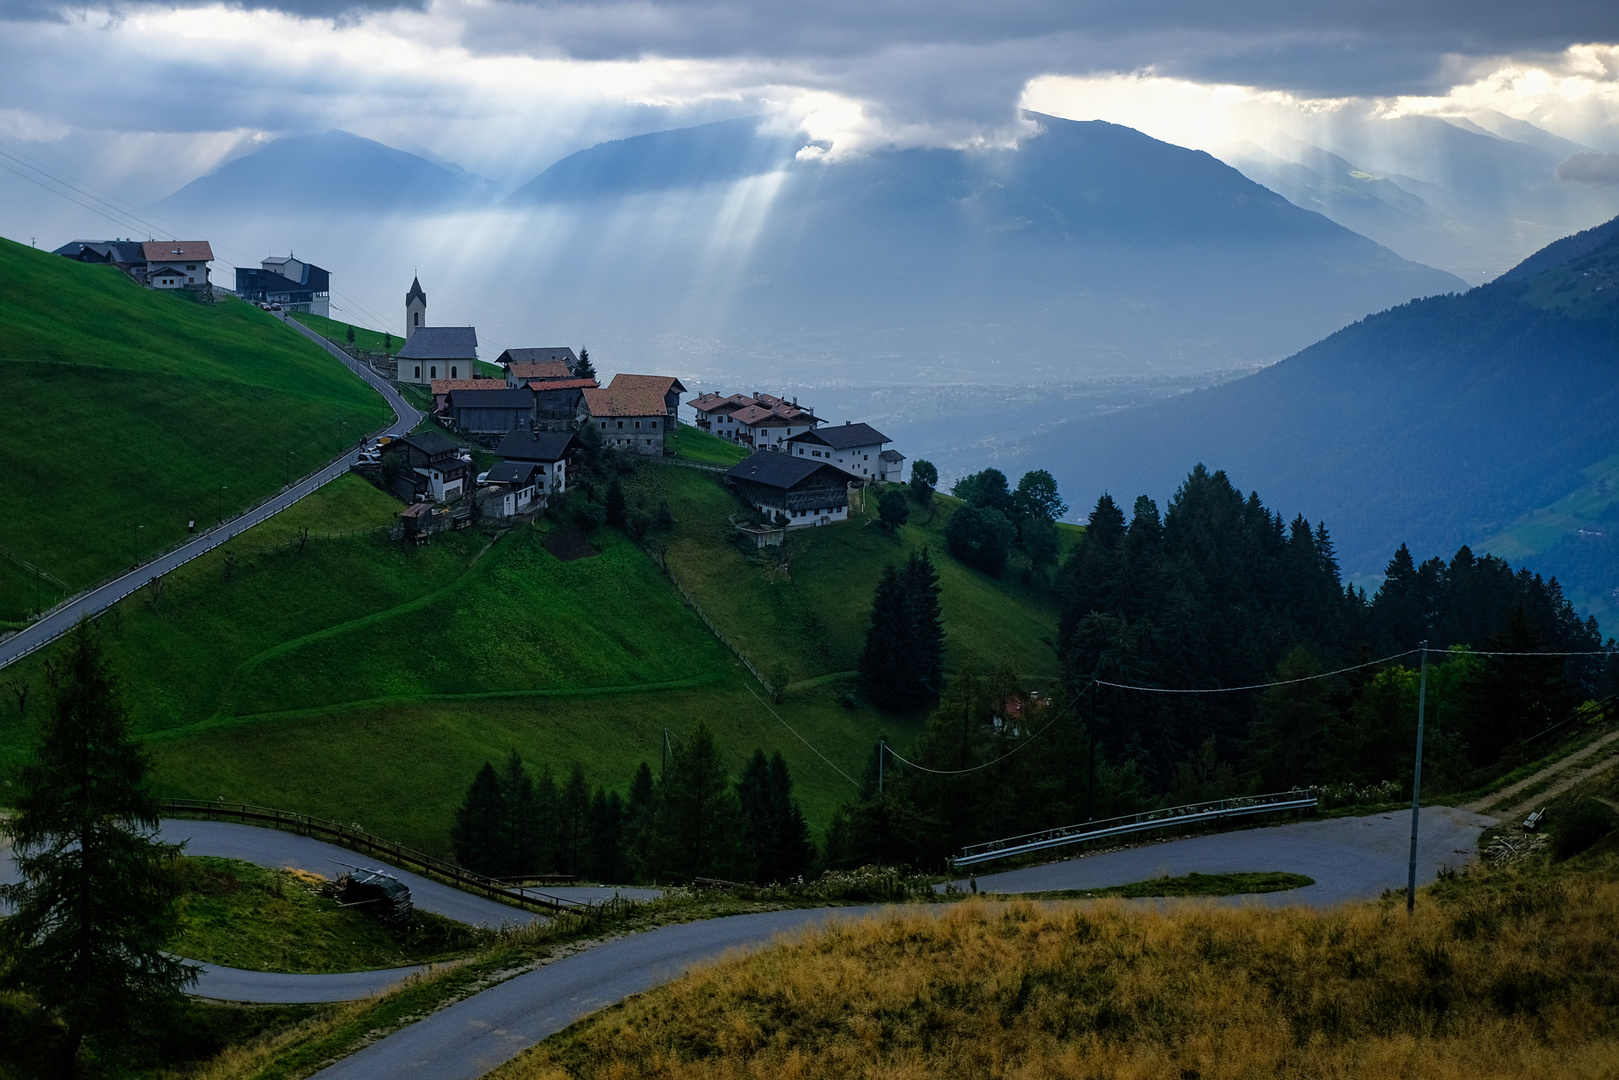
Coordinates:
[1218,591]
[689,820]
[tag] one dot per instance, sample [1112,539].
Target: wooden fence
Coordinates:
[356,839]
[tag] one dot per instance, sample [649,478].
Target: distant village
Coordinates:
[801,473]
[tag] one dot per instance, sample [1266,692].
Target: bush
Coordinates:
[981,537]
[588,517]
[665,518]
[1589,821]
[637,524]
[891,509]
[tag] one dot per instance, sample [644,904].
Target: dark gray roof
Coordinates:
[518,473]
[891,455]
[783,471]
[441,343]
[535,356]
[416,291]
[536,445]
[843,436]
[495,397]
[431,442]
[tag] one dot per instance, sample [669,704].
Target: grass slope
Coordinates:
[365,682]
[133,412]
[1510,974]
[261,919]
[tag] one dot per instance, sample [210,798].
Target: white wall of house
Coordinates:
[864,461]
[806,519]
[177,275]
[442,492]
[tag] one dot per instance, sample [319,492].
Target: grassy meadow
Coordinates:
[355,679]
[1513,973]
[262,919]
[132,412]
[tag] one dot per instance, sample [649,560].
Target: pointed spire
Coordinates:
[416,292]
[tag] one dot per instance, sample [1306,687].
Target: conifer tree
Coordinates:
[477,835]
[94,905]
[924,627]
[523,828]
[698,823]
[640,823]
[585,369]
[777,835]
[606,853]
[574,821]
[887,643]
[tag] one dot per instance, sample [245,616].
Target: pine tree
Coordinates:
[606,862]
[924,628]
[584,370]
[95,903]
[574,821]
[777,836]
[478,834]
[640,825]
[522,840]
[887,646]
[698,826]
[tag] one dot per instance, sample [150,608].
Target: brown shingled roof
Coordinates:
[563,384]
[444,386]
[540,369]
[662,383]
[161,251]
[625,401]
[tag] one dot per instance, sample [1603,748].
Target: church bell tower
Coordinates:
[415,308]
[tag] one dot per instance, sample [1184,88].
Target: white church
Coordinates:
[434,352]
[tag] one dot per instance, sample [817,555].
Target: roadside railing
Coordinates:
[359,840]
[1170,817]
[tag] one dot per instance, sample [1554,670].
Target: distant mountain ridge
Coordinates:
[335,170]
[1089,245]
[1435,423]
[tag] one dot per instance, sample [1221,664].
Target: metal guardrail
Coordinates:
[360,840]
[1192,813]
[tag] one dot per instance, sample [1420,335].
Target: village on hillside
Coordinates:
[801,473]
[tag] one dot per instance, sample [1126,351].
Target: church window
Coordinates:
[452,371]
[415,318]
[432,372]
[418,371]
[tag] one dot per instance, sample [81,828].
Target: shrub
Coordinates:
[979,536]
[891,509]
[1589,821]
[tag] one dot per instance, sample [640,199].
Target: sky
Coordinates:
[146,96]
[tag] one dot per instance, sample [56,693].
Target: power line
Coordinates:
[957,772]
[1259,686]
[803,740]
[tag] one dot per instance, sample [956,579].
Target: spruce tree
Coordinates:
[95,903]
[924,628]
[640,824]
[573,819]
[478,834]
[522,837]
[698,828]
[606,850]
[584,370]
[887,643]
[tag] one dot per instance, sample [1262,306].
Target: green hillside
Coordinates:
[363,681]
[132,412]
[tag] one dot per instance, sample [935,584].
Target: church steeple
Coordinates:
[415,308]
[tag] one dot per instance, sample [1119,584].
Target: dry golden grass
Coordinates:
[1506,977]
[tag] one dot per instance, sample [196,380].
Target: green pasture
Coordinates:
[132,413]
[800,611]
[262,919]
[695,444]
[335,331]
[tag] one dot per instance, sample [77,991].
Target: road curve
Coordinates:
[1351,858]
[275,847]
[478,1033]
[62,619]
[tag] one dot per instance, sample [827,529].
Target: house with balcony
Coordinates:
[790,491]
[855,448]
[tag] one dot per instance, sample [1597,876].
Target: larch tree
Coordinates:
[95,903]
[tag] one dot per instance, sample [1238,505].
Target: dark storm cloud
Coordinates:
[1357,47]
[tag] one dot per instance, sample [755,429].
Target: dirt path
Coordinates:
[1602,749]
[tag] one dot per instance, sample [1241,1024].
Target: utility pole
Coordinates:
[1416,786]
[135,535]
[1090,776]
[882,747]
[221,504]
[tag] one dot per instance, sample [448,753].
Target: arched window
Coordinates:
[415,318]
[418,371]
[432,372]
[452,371]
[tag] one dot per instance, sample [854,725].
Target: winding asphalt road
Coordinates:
[1349,858]
[62,619]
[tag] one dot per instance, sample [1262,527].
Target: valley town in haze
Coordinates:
[704,538]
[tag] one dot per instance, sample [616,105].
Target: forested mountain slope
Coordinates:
[1435,423]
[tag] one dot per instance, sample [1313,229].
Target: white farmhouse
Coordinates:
[854,448]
